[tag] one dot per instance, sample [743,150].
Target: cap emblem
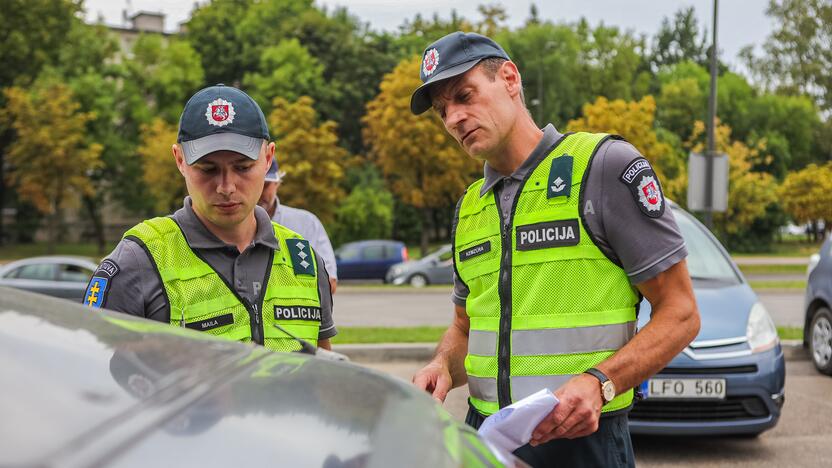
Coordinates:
[430,62]
[220,113]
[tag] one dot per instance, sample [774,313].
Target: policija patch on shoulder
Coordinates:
[645,188]
[301,255]
[560,177]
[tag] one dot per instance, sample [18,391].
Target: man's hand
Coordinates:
[434,378]
[577,413]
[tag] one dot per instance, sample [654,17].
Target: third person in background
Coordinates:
[301,221]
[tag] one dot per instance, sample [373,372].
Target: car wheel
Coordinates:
[418,281]
[820,344]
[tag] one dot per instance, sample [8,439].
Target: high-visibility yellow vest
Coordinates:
[545,303]
[200,299]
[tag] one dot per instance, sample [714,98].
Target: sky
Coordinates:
[741,22]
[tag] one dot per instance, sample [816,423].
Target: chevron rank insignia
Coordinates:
[301,254]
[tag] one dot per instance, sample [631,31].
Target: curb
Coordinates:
[385,352]
[793,350]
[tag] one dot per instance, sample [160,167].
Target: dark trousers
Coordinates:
[609,447]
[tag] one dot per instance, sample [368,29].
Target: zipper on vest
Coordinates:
[504,291]
[257,323]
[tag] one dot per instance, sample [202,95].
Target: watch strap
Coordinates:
[597,374]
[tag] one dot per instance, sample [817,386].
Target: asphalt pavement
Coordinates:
[801,438]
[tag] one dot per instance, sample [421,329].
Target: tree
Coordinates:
[422,165]
[50,158]
[33,35]
[159,172]
[366,213]
[679,41]
[286,70]
[807,195]
[213,32]
[493,19]
[635,122]
[798,55]
[310,155]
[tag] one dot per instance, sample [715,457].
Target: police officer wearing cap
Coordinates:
[553,249]
[219,264]
[301,221]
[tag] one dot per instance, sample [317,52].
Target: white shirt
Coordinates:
[309,226]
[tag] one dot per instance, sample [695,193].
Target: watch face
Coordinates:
[608,390]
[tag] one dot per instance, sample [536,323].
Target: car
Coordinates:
[90,387]
[59,276]
[436,267]
[817,324]
[731,378]
[368,259]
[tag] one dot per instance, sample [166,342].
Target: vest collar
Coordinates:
[550,136]
[199,237]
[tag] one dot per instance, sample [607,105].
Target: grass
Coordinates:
[14,252]
[773,269]
[366,335]
[790,333]
[786,248]
[778,284]
[348,335]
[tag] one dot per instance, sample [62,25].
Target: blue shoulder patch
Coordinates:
[95,294]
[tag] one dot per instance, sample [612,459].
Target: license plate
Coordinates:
[684,388]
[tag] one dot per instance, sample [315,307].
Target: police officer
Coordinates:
[553,250]
[301,221]
[218,264]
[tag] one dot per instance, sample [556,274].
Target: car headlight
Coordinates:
[396,271]
[813,262]
[760,331]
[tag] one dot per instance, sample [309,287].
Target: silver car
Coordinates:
[59,276]
[87,388]
[436,267]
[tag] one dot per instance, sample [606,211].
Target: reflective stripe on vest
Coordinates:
[569,307]
[199,299]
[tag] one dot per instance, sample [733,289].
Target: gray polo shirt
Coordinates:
[642,243]
[134,286]
[310,227]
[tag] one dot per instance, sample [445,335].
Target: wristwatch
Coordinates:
[607,387]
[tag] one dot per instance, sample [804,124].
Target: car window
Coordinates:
[36,271]
[374,252]
[74,273]
[349,252]
[445,256]
[705,259]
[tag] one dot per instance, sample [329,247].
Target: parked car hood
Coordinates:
[723,309]
[84,387]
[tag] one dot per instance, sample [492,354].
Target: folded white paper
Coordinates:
[512,426]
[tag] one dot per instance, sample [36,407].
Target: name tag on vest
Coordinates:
[211,323]
[297,313]
[551,234]
[472,252]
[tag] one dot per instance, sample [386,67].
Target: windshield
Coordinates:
[705,259]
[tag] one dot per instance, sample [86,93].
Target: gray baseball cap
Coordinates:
[221,118]
[448,57]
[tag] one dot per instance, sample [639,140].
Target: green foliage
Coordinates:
[366,213]
[212,32]
[33,36]
[797,56]
[286,70]
[679,41]
[50,158]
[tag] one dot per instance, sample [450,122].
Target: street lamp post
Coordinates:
[709,153]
